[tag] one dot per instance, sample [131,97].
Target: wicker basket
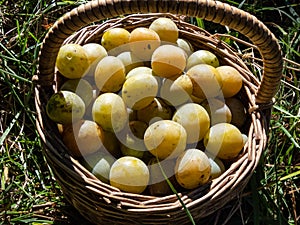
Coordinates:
[101,203]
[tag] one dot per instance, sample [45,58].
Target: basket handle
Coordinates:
[209,10]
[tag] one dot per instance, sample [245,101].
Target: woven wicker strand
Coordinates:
[101,203]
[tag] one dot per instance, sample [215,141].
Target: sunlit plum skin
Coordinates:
[224,140]
[65,107]
[81,87]
[110,74]
[165,139]
[218,111]
[83,137]
[95,52]
[115,40]
[245,139]
[206,80]
[185,45]
[177,92]
[102,168]
[168,61]
[166,29]
[110,112]
[217,166]
[139,70]
[72,61]
[195,119]
[139,91]
[129,174]
[192,169]
[89,161]
[143,41]
[202,57]
[130,61]
[232,81]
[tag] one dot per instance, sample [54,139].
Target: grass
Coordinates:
[29,193]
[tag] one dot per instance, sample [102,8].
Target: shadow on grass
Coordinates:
[236,212]
[69,215]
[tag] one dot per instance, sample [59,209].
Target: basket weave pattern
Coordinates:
[98,201]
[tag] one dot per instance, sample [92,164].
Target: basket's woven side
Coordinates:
[213,11]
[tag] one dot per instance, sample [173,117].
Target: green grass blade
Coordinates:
[285,112]
[176,193]
[291,175]
[288,134]
[8,129]
[200,23]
